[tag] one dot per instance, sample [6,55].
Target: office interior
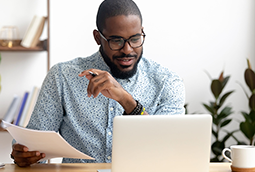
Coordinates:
[192,38]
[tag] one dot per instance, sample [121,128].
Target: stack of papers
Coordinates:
[49,142]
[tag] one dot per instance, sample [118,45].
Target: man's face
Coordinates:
[123,62]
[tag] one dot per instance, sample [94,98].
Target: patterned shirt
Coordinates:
[86,123]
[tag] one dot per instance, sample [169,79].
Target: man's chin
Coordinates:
[124,73]
[126,68]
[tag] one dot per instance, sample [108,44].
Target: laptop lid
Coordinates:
[152,143]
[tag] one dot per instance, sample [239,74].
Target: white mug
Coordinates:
[242,156]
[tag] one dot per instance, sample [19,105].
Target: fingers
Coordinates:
[23,162]
[102,82]
[97,84]
[88,73]
[23,157]
[19,147]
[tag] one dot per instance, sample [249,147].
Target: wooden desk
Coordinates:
[214,167]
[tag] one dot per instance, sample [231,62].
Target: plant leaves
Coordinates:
[226,122]
[228,136]
[232,135]
[217,147]
[209,108]
[215,134]
[246,116]
[249,77]
[252,117]
[248,64]
[247,129]
[225,81]
[224,97]
[252,102]
[225,112]
[216,88]
[221,77]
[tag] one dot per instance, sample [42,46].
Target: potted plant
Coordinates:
[247,127]
[220,115]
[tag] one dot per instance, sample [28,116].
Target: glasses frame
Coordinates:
[125,40]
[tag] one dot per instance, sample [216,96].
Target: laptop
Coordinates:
[156,143]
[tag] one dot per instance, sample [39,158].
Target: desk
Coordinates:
[214,167]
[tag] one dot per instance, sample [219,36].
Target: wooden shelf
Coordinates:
[41,46]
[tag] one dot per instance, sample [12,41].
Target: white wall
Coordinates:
[186,36]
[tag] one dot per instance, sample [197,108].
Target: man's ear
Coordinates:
[97,37]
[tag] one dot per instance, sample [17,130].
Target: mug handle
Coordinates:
[223,154]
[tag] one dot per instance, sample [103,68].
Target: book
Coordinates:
[12,110]
[33,32]
[26,108]
[31,106]
[16,122]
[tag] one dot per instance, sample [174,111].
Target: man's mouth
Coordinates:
[125,61]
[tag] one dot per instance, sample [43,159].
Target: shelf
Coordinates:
[41,46]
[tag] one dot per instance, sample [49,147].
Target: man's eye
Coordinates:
[135,39]
[117,41]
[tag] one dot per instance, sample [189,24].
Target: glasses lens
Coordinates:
[134,42]
[116,43]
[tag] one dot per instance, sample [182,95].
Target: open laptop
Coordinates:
[156,143]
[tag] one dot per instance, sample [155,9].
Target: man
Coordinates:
[80,98]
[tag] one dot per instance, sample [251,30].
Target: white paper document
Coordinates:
[48,142]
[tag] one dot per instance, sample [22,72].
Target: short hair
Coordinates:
[111,8]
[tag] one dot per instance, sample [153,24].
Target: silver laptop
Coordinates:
[156,143]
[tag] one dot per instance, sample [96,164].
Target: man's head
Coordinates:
[120,34]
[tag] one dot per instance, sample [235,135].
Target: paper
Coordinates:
[48,142]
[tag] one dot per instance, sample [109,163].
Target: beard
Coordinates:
[116,72]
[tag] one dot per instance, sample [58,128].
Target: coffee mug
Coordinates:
[242,156]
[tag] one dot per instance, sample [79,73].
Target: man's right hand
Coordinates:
[23,157]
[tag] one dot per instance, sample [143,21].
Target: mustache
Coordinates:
[124,56]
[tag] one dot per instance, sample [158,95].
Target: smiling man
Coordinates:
[80,98]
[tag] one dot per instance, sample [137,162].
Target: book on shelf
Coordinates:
[33,32]
[12,110]
[29,106]
[16,121]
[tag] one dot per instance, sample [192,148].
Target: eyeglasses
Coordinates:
[118,43]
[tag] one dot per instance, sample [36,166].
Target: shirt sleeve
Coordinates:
[172,97]
[48,112]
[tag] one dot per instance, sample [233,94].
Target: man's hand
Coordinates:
[104,82]
[23,157]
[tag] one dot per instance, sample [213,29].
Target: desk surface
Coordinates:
[214,167]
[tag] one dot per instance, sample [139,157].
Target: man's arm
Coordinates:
[172,96]
[46,100]
[103,82]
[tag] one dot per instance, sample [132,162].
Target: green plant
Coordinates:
[247,127]
[220,115]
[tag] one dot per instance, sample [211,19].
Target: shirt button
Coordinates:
[109,157]
[109,133]
[111,109]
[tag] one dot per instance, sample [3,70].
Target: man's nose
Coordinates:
[127,49]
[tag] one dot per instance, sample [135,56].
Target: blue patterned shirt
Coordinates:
[86,123]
